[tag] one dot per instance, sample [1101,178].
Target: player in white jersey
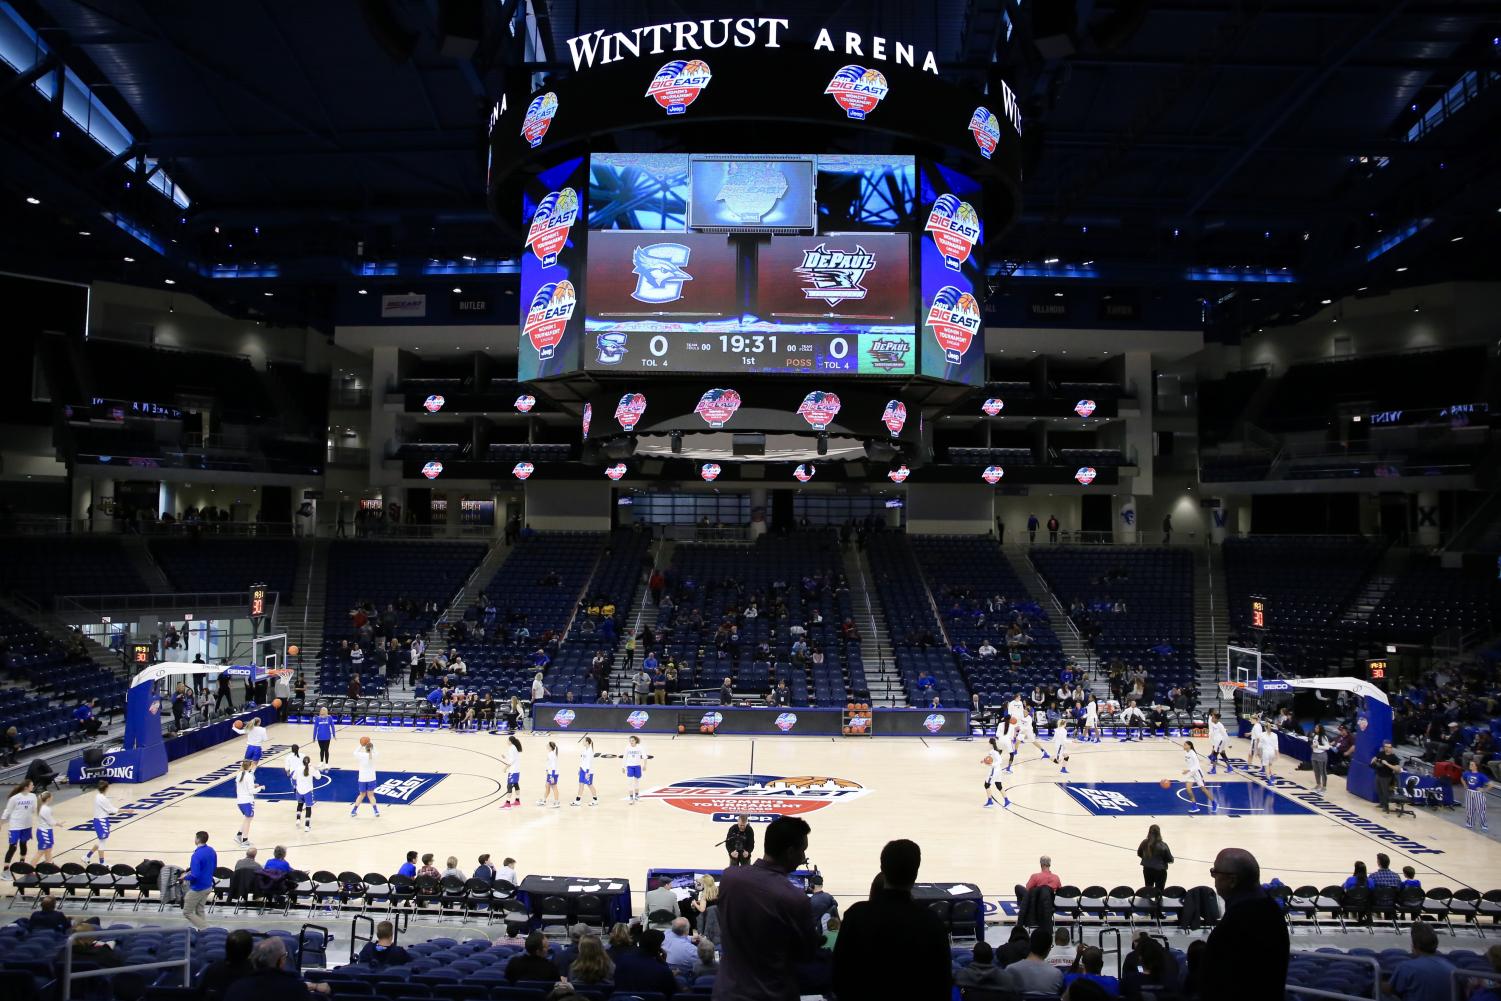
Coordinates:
[1255,736]
[1060,745]
[45,826]
[550,778]
[1015,709]
[1026,732]
[1132,718]
[303,783]
[511,758]
[255,740]
[993,777]
[245,790]
[20,818]
[1268,751]
[1004,743]
[586,774]
[103,810]
[364,760]
[1193,775]
[1092,720]
[635,767]
[1219,740]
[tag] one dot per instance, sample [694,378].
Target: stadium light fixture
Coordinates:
[130,260]
[33,200]
[169,281]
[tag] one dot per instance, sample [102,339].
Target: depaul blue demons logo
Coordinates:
[857,90]
[955,226]
[955,319]
[548,316]
[432,470]
[986,128]
[539,115]
[658,268]
[638,719]
[678,84]
[786,721]
[834,275]
[765,794]
[548,232]
[717,406]
[433,403]
[819,408]
[629,410]
[563,717]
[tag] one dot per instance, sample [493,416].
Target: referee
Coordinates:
[1475,782]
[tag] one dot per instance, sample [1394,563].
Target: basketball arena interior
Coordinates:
[524,499]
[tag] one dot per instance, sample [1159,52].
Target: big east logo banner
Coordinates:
[1086,475]
[955,319]
[857,90]
[548,316]
[524,403]
[616,471]
[899,474]
[710,471]
[955,226]
[804,472]
[717,406]
[986,129]
[678,84]
[992,474]
[819,408]
[549,229]
[432,470]
[629,410]
[1084,408]
[539,115]
[522,470]
[433,403]
[894,417]
[993,406]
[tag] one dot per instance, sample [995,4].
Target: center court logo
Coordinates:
[638,719]
[768,794]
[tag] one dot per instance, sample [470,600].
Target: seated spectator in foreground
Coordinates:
[680,947]
[620,941]
[409,867]
[1064,952]
[892,924]
[1018,944]
[248,862]
[533,964]
[383,951]
[1424,977]
[1045,876]
[645,967]
[1492,990]
[981,971]
[592,965]
[1035,973]
[269,981]
[1093,961]
[1410,878]
[1154,973]
[452,869]
[427,868]
[279,863]
[707,962]
[235,965]
[48,917]
[831,933]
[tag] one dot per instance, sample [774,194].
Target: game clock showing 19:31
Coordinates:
[752,352]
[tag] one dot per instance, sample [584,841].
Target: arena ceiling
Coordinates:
[1259,156]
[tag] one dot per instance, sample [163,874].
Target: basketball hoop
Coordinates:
[1227,689]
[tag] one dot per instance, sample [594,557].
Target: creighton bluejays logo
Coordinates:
[993,406]
[549,230]
[433,403]
[610,348]
[751,190]
[432,470]
[1084,408]
[538,118]
[588,419]
[857,90]
[638,719]
[757,794]
[563,717]
[955,319]
[899,474]
[616,471]
[522,470]
[629,410]
[986,128]
[678,84]
[819,408]
[894,417]
[659,272]
[955,226]
[834,275]
[786,721]
[1086,475]
[525,402]
[992,474]
[548,316]
[709,471]
[934,722]
[803,473]
[717,406]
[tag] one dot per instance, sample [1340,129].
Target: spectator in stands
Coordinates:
[10,744]
[268,981]
[507,871]
[1045,876]
[216,978]
[1035,973]
[48,917]
[823,903]
[767,924]
[680,946]
[621,940]
[1032,528]
[1253,925]
[892,924]
[248,862]
[409,867]
[483,869]
[200,881]
[1150,971]
[645,968]
[84,717]
[427,868]
[383,951]
[1427,976]
[1092,960]
[591,965]
[1063,953]
[532,964]
[981,971]
[1017,946]
[278,863]
[1383,876]
[1410,878]
[452,869]
[1052,528]
[1358,877]
[1490,990]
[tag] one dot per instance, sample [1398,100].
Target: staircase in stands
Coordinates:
[468,595]
[640,614]
[1037,590]
[1382,578]
[875,640]
[140,558]
[300,615]
[1211,621]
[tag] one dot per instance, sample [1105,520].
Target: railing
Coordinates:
[27,524]
[706,533]
[348,455]
[97,604]
[870,615]
[1209,580]
[68,974]
[1459,981]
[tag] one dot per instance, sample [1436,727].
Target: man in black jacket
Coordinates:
[1247,952]
[892,924]
[740,842]
[235,965]
[533,964]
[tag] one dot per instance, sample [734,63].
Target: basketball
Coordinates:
[364,741]
[682,728]
[293,650]
[989,759]
[238,724]
[276,703]
[1166,783]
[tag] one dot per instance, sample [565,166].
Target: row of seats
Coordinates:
[208,564]
[45,567]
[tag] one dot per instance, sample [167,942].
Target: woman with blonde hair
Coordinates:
[592,966]
[706,904]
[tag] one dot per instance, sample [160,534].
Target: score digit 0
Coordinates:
[657,345]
